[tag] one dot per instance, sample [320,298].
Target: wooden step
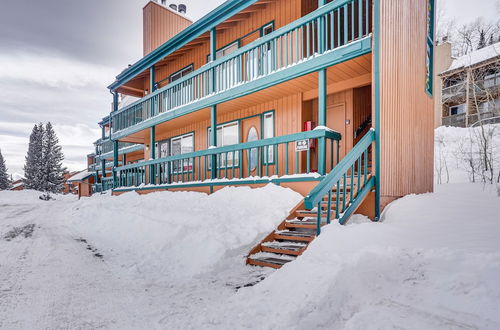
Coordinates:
[289,235]
[274,260]
[307,223]
[290,248]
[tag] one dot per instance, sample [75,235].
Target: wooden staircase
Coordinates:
[292,236]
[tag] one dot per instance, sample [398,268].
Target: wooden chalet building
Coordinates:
[330,98]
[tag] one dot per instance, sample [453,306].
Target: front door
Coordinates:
[335,119]
[250,131]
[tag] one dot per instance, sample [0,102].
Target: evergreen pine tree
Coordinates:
[492,40]
[53,170]
[34,158]
[4,177]
[482,40]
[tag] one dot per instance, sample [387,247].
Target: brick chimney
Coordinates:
[160,24]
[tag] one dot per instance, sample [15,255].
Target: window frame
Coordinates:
[189,66]
[263,119]
[221,126]
[169,141]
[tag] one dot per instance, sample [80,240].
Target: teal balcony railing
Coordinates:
[274,156]
[104,148]
[327,29]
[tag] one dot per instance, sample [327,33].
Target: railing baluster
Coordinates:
[318,219]
[329,207]
[346,26]
[344,186]
[276,159]
[286,158]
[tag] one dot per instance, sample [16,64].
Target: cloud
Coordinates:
[44,87]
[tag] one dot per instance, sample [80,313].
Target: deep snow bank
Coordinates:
[433,263]
[180,234]
[457,152]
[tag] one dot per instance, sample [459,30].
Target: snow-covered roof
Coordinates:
[17,185]
[475,57]
[80,176]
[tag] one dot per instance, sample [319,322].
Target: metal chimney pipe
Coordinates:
[182,8]
[173,6]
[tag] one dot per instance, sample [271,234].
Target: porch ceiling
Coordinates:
[350,74]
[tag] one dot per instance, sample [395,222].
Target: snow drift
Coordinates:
[180,234]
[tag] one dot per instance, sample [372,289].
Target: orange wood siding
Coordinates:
[159,25]
[407,120]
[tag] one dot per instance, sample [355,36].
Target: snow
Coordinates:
[455,145]
[175,260]
[475,57]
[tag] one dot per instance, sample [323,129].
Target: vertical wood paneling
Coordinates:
[406,123]
[159,25]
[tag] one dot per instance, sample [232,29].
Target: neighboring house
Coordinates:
[69,187]
[17,185]
[442,61]
[330,98]
[471,88]
[81,183]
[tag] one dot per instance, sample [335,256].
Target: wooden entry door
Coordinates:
[335,119]
[250,130]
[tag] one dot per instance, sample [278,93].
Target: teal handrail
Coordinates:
[350,179]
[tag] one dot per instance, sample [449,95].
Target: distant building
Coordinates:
[81,183]
[470,86]
[17,185]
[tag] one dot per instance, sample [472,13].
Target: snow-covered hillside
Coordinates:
[176,261]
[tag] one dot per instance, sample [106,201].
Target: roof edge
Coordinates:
[204,24]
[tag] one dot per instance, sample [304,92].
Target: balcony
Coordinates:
[105,148]
[454,93]
[334,33]
[279,158]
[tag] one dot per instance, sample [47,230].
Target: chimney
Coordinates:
[182,8]
[156,17]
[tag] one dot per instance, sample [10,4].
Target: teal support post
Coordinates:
[115,163]
[376,72]
[322,120]
[152,153]
[152,84]
[115,101]
[213,109]
[321,3]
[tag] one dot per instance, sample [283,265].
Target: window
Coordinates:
[457,110]
[268,132]
[227,134]
[429,58]
[492,80]
[182,92]
[181,73]
[179,145]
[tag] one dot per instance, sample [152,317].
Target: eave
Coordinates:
[209,21]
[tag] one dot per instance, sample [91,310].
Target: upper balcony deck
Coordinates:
[336,32]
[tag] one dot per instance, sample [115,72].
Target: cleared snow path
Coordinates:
[130,262]
[50,280]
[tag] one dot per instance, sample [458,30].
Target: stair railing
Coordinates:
[353,168]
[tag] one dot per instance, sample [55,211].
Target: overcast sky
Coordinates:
[58,56]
